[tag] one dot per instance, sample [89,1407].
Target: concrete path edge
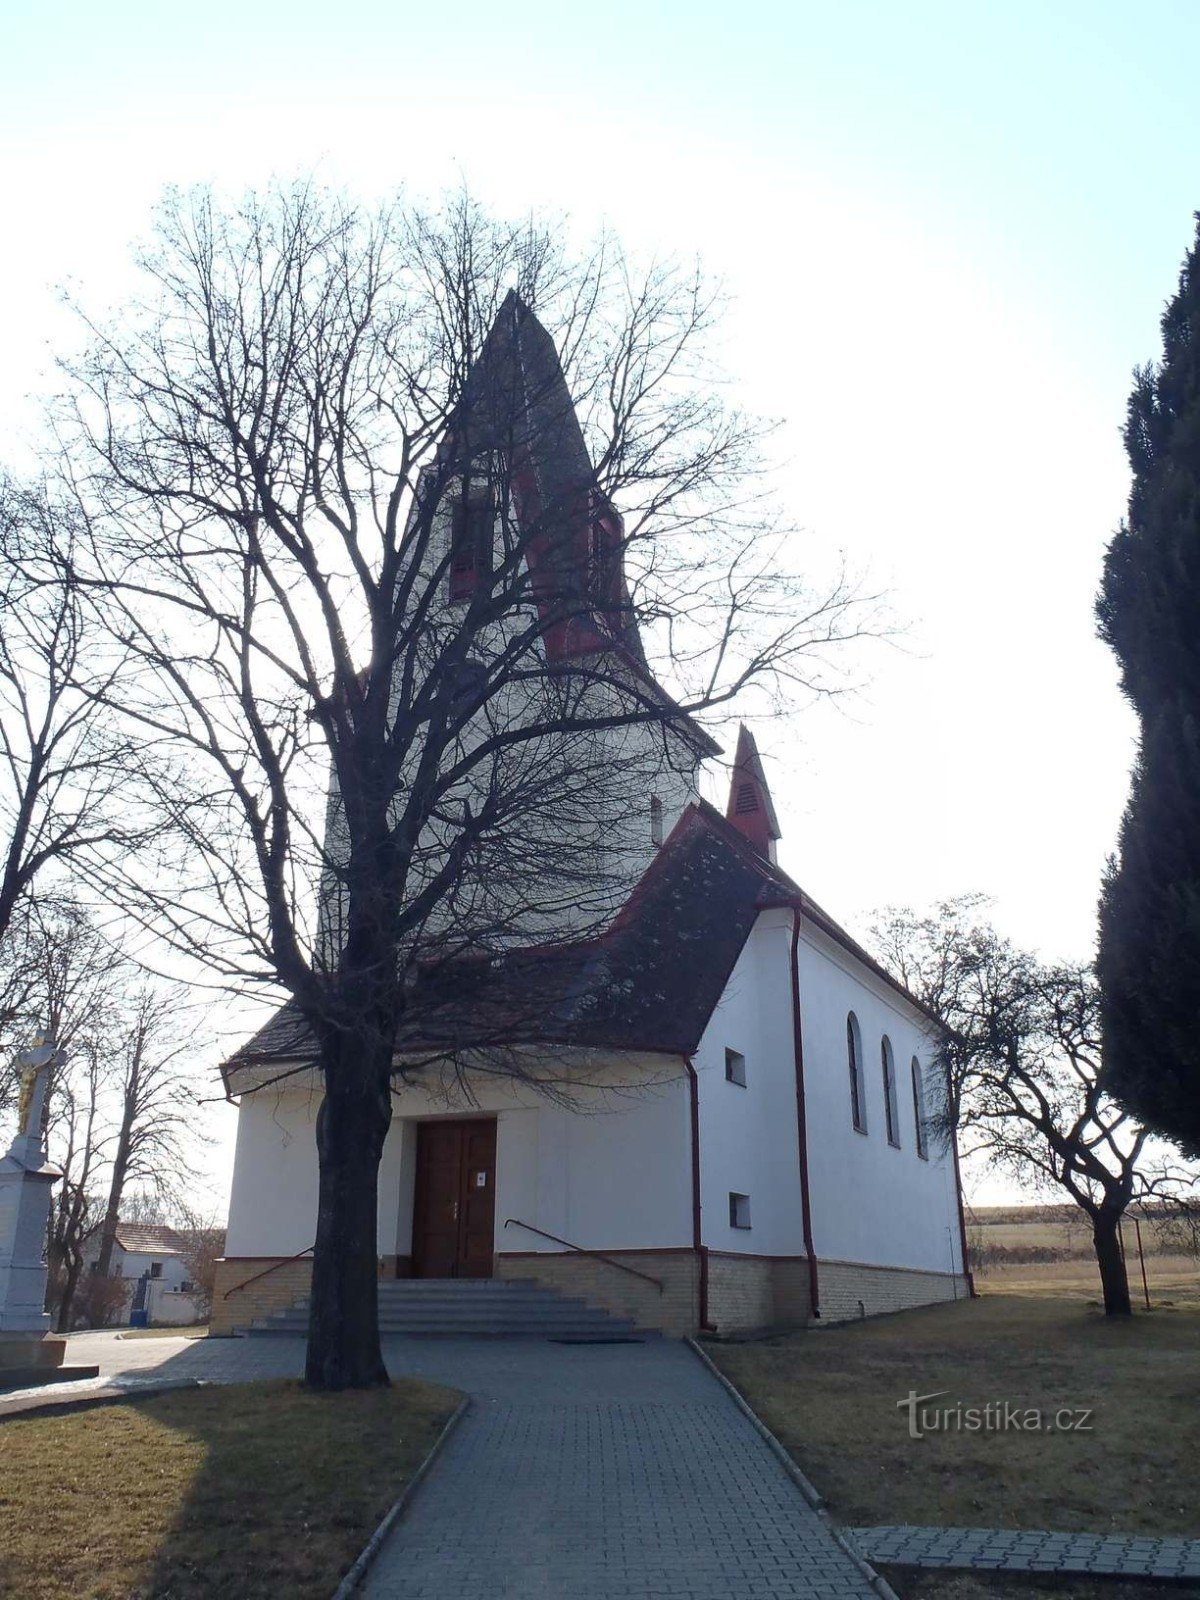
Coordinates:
[806,1487]
[351,1583]
[108,1396]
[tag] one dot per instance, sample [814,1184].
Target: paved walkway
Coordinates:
[1002,1550]
[598,1472]
[602,1472]
[126,1364]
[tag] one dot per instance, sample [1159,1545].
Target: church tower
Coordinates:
[750,808]
[529,649]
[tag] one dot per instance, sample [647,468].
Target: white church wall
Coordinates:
[609,1169]
[273,1200]
[871,1202]
[616,1174]
[748,1135]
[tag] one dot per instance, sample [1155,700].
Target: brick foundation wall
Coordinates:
[748,1293]
[793,1292]
[741,1295]
[276,1291]
[674,1312]
[843,1284]
[745,1293]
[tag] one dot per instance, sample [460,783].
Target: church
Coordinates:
[726,1114]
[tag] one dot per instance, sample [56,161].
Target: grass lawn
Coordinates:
[1173,1281]
[830,1397]
[246,1490]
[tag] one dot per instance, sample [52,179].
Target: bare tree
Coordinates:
[1177,1227]
[64,769]
[155,1136]
[203,1237]
[121,1107]
[350,532]
[75,1212]
[69,776]
[1025,1067]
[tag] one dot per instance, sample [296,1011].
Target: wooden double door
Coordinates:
[454,1208]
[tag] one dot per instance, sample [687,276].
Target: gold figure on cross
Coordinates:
[25,1103]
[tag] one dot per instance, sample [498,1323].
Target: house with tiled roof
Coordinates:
[152,1259]
[725,1111]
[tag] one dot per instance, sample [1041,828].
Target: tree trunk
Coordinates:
[66,1304]
[1113,1278]
[112,1212]
[343,1319]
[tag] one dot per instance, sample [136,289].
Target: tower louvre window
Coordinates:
[603,559]
[472,520]
[747,799]
[656,820]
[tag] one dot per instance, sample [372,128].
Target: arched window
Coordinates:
[918,1094]
[858,1099]
[890,1108]
[656,827]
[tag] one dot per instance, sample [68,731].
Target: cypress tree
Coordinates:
[1149,613]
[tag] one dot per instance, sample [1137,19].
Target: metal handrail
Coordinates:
[267,1271]
[584,1251]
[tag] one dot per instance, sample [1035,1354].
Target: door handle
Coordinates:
[455,1216]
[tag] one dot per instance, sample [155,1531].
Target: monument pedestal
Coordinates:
[27,1360]
[30,1354]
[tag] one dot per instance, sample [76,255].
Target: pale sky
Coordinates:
[948,232]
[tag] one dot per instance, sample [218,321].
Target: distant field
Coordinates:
[1047,1250]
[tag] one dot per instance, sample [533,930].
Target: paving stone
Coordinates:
[1031,1550]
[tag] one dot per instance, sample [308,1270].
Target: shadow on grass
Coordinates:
[234,1490]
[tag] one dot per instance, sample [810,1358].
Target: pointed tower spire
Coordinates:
[750,809]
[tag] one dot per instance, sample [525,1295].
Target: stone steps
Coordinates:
[473,1308]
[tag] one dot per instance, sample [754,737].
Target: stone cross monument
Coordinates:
[26,1178]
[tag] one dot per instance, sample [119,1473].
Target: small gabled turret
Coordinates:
[750,808]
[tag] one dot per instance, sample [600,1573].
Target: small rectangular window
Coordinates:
[739,1210]
[156,1269]
[735,1067]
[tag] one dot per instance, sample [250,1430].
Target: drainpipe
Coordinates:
[698,1244]
[814,1286]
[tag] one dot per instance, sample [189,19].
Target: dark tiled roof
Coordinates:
[149,1239]
[649,983]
